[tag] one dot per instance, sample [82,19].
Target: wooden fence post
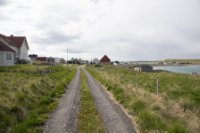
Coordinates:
[136,80]
[122,78]
[157,86]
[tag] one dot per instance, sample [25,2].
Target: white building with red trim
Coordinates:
[13,49]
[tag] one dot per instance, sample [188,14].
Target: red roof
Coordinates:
[15,40]
[3,47]
[105,59]
[41,59]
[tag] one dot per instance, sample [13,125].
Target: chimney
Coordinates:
[11,35]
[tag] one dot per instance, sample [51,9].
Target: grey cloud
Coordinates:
[95,1]
[61,37]
[75,51]
[24,7]
[55,38]
[4,17]
[192,35]
[3,2]
[122,29]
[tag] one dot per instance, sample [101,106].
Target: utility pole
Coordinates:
[67,55]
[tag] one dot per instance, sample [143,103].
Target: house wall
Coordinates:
[1,58]
[24,51]
[16,51]
[4,61]
[138,69]
[12,47]
[57,60]
[95,61]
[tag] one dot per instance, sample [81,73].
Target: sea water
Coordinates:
[179,69]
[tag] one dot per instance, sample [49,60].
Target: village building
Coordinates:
[105,60]
[33,57]
[143,68]
[62,60]
[46,60]
[42,59]
[85,62]
[115,63]
[13,45]
[95,61]
[57,60]
[7,55]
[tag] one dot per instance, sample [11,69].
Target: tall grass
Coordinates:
[27,98]
[89,119]
[174,110]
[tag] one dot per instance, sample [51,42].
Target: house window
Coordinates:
[9,57]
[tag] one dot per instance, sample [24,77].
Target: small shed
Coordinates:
[115,63]
[95,61]
[33,57]
[46,60]
[42,59]
[143,68]
[105,60]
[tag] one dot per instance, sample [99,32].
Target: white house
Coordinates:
[6,55]
[18,44]
[95,61]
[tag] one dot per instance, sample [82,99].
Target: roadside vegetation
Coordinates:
[28,94]
[176,108]
[89,119]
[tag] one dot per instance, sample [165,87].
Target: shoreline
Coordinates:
[168,65]
[181,69]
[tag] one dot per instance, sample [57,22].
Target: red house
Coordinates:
[42,59]
[105,60]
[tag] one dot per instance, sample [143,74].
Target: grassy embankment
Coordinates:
[28,95]
[175,110]
[89,119]
[194,61]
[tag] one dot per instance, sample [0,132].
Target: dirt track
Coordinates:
[114,118]
[64,119]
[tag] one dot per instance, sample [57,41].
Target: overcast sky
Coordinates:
[121,29]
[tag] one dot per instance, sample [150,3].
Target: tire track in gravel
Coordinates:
[64,119]
[114,118]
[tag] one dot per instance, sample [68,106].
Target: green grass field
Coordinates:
[28,94]
[176,108]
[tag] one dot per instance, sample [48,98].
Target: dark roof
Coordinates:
[15,40]
[145,66]
[33,56]
[3,47]
[105,59]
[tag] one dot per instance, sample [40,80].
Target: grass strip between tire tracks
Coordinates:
[89,119]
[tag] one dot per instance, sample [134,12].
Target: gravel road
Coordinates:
[114,118]
[64,119]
